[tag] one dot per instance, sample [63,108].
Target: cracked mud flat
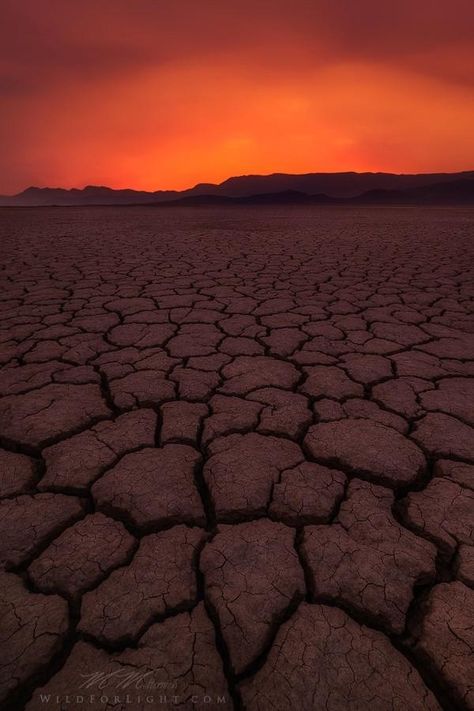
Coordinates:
[237,459]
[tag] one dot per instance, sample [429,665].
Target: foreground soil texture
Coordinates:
[237,459]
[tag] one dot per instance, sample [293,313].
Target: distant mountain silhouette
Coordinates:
[90,195]
[333,184]
[321,188]
[456,192]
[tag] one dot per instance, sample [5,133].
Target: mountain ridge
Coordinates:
[344,186]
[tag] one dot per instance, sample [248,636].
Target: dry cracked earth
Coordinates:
[237,459]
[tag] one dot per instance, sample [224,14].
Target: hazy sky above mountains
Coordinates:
[166,93]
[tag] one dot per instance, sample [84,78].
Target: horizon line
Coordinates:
[240,175]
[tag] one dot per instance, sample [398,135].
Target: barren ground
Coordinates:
[237,459]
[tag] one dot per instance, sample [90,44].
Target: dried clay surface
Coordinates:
[237,459]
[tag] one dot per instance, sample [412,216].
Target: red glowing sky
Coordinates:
[166,93]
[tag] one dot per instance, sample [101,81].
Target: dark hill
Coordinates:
[321,187]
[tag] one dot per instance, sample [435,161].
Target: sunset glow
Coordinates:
[166,94]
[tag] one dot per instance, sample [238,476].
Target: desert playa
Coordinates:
[237,462]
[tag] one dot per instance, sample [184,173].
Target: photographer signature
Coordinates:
[124,679]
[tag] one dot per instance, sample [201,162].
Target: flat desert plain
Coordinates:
[237,459]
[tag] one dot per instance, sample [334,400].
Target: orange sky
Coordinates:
[167,93]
